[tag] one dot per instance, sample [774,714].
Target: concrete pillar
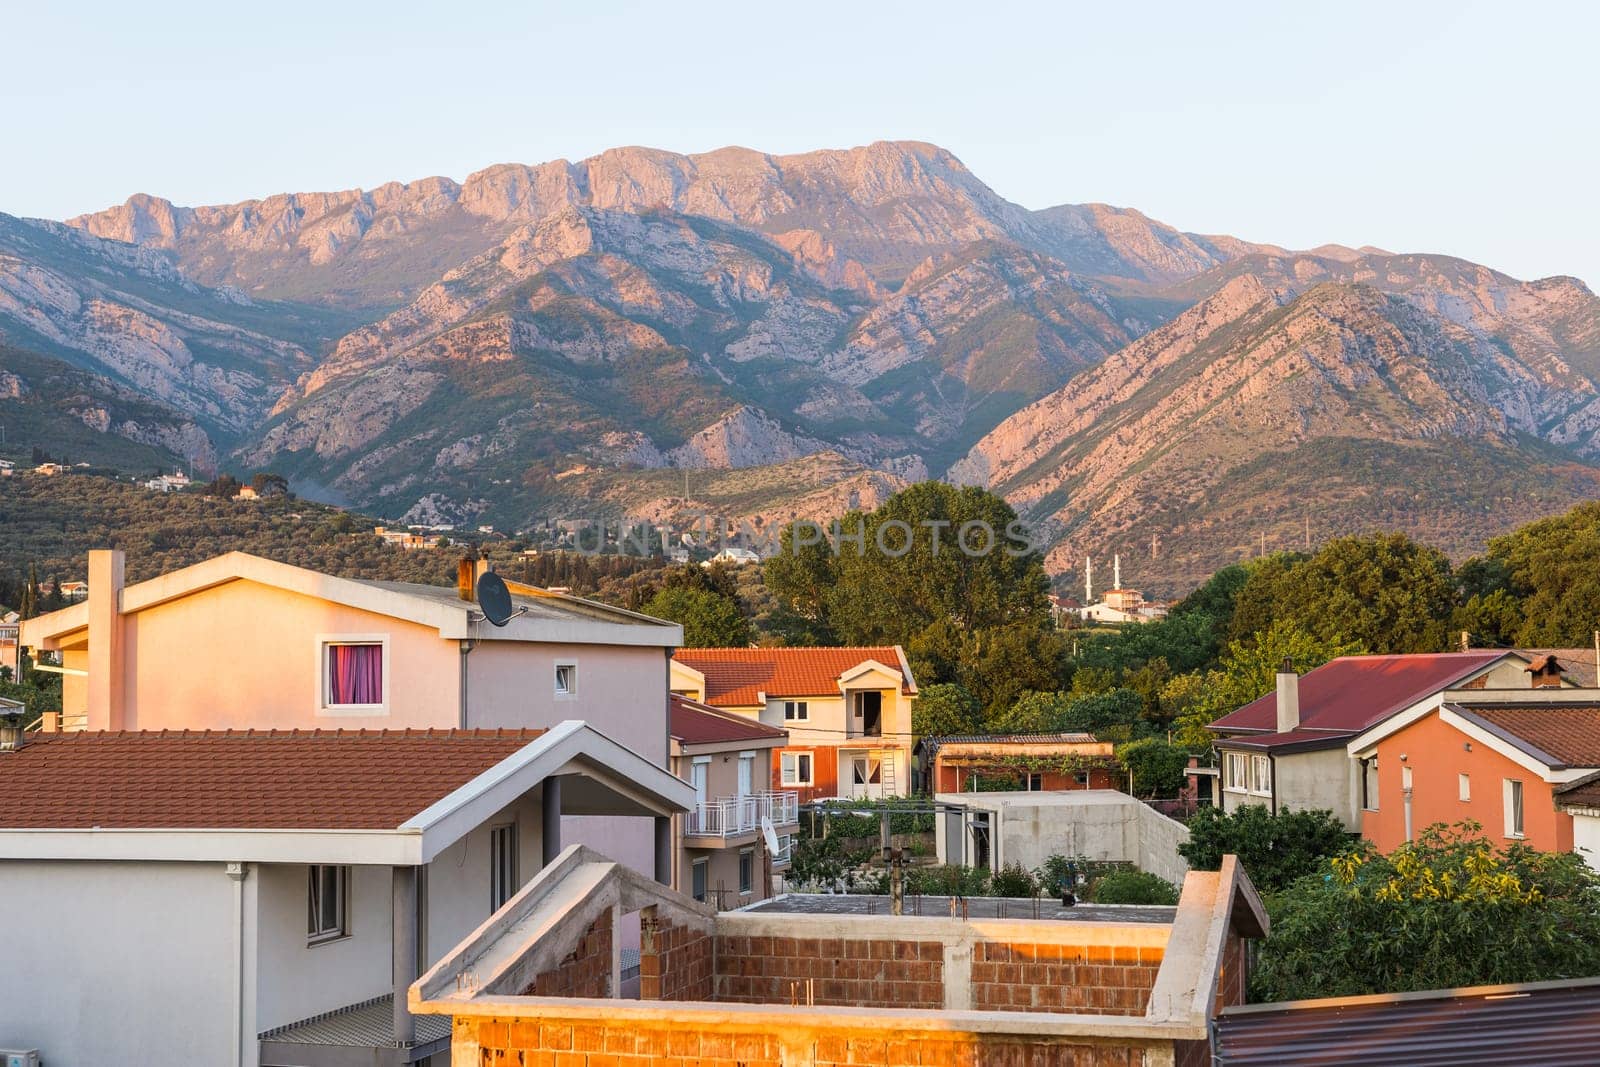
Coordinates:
[403,910]
[552,819]
[664,849]
[104,688]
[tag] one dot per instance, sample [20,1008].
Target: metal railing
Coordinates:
[727,816]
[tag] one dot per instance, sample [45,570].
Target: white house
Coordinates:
[244,898]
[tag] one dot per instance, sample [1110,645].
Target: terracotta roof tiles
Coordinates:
[694,723]
[236,779]
[735,677]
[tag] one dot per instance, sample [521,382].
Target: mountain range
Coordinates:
[647,333]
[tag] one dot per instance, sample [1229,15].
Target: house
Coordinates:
[50,470]
[240,642]
[820,980]
[7,468]
[993,830]
[74,590]
[406,539]
[167,483]
[734,555]
[1031,762]
[10,650]
[724,855]
[1580,799]
[247,492]
[1497,758]
[1287,749]
[847,711]
[266,897]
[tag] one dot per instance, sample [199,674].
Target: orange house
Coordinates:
[1494,758]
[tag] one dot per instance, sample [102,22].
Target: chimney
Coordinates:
[1288,698]
[467,577]
[50,722]
[12,736]
[103,686]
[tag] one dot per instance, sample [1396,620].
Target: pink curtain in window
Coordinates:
[355,674]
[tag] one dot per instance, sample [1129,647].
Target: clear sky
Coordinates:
[1460,127]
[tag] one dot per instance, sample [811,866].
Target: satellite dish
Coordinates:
[494,599]
[770,834]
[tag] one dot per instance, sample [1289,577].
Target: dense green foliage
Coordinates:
[1155,767]
[945,710]
[1449,910]
[1132,887]
[1276,850]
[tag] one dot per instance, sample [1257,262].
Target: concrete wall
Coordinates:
[118,962]
[1028,828]
[1330,779]
[458,878]
[295,980]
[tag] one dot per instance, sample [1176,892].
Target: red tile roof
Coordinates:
[736,676]
[1569,736]
[694,723]
[227,779]
[1583,793]
[1345,696]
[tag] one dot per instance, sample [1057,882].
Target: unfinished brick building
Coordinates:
[541,983]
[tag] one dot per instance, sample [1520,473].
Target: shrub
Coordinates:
[1132,887]
[1275,849]
[1156,768]
[1013,880]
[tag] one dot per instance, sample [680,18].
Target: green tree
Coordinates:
[709,619]
[1448,910]
[1132,887]
[1384,591]
[1249,669]
[945,710]
[1550,569]
[1276,850]
[1155,768]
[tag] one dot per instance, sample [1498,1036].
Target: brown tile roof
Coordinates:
[1583,793]
[1570,736]
[736,676]
[1577,664]
[229,779]
[694,723]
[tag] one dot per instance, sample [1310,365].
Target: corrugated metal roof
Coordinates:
[1525,1025]
[369,1024]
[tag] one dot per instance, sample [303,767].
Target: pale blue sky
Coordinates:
[1466,128]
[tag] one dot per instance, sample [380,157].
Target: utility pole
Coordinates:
[1308,531]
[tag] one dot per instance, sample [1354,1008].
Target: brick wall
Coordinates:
[675,962]
[574,1043]
[1093,979]
[870,974]
[585,972]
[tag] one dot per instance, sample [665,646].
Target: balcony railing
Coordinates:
[727,816]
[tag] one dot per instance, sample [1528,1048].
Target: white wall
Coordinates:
[295,980]
[458,878]
[110,963]
[1586,838]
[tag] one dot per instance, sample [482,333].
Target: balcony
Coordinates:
[732,816]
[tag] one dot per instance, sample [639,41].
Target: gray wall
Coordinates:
[110,963]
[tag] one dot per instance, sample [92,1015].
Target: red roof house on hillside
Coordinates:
[847,711]
[1286,749]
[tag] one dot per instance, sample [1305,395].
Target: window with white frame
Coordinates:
[502,865]
[354,678]
[796,711]
[1261,776]
[566,680]
[1238,773]
[1035,782]
[794,768]
[1369,784]
[327,914]
[1464,787]
[747,870]
[1513,791]
[697,879]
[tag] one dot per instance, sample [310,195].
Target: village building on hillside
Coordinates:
[1493,757]
[740,831]
[1120,604]
[267,897]
[406,539]
[1287,749]
[847,712]
[1027,762]
[168,483]
[819,981]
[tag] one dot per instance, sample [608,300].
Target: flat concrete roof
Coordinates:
[1044,908]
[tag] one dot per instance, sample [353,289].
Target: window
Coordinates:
[1261,776]
[747,774]
[794,768]
[1238,778]
[502,865]
[1369,784]
[796,711]
[1464,787]
[698,879]
[747,870]
[1035,783]
[355,675]
[566,679]
[1081,778]
[328,905]
[697,777]
[1513,808]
